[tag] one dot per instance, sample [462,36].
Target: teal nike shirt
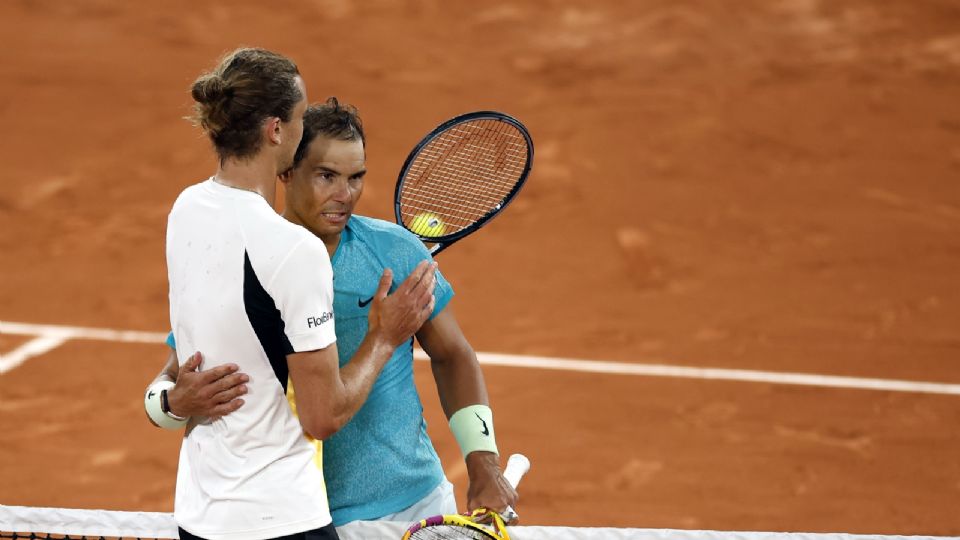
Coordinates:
[382,461]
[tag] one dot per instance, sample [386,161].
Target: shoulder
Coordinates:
[287,237]
[391,245]
[274,243]
[379,231]
[189,195]
[374,226]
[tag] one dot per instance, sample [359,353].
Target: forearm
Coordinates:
[463,393]
[189,392]
[327,396]
[358,376]
[463,396]
[460,385]
[459,380]
[169,371]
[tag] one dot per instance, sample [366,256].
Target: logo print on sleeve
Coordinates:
[317,321]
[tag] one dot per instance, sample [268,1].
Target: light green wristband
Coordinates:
[472,426]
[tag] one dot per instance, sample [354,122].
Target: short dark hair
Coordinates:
[248,86]
[332,119]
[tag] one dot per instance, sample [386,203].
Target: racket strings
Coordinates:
[450,532]
[476,164]
[477,193]
[465,172]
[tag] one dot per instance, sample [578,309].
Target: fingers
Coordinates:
[424,270]
[426,287]
[225,388]
[418,289]
[218,373]
[192,363]
[229,388]
[384,287]
[210,375]
[422,290]
[226,408]
[428,307]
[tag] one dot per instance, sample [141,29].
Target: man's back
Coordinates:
[247,287]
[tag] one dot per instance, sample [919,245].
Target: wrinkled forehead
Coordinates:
[345,157]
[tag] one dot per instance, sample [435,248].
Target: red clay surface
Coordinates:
[758,184]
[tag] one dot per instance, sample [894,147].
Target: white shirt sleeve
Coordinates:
[303,290]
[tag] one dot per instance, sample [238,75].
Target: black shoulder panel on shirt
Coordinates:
[266,321]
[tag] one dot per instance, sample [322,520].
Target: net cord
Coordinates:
[113,524]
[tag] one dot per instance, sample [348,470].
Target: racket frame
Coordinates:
[443,242]
[452,519]
[517,466]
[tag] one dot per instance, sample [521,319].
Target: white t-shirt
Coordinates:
[247,287]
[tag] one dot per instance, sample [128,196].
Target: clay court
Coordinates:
[757,185]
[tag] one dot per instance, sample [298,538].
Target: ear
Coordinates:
[272,130]
[286,176]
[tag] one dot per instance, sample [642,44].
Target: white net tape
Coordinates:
[97,523]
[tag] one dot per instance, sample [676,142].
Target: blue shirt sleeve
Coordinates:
[443,294]
[406,255]
[171,342]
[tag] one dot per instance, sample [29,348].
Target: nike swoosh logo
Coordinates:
[363,303]
[486,430]
[151,394]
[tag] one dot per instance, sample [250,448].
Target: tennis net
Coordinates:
[23,522]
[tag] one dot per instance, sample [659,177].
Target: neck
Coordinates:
[256,175]
[331,241]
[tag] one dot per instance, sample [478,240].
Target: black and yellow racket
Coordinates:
[461,175]
[460,527]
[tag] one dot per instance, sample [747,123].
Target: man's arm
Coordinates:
[212,393]
[460,384]
[328,396]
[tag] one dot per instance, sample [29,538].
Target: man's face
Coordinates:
[292,130]
[326,185]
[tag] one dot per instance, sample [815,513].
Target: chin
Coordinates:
[326,229]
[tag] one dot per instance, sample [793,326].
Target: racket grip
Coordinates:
[517,466]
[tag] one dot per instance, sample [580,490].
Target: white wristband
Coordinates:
[152,404]
[472,426]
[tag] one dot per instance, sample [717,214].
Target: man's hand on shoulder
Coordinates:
[394,318]
[212,393]
[488,488]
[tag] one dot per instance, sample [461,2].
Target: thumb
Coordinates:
[192,363]
[384,287]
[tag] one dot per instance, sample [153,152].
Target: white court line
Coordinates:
[741,375]
[535,362]
[34,347]
[79,332]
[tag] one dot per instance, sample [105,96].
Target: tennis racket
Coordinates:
[458,527]
[461,175]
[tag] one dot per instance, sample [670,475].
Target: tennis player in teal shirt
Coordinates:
[381,464]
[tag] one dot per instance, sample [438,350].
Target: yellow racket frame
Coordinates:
[499,529]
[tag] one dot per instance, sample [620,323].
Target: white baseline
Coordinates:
[48,337]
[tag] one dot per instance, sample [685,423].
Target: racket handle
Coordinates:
[517,466]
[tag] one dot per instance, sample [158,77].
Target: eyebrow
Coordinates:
[321,168]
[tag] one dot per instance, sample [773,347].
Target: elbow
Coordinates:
[322,428]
